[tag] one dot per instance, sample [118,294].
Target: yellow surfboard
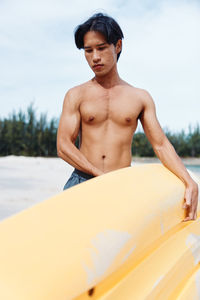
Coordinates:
[115,237]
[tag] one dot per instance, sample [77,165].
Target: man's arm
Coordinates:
[68,130]
[167,155]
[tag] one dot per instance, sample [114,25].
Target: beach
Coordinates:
[26,181]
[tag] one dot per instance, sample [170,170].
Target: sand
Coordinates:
[25,181]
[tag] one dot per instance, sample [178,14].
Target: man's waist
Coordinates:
[83,174]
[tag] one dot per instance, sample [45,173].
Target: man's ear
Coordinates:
[118,46]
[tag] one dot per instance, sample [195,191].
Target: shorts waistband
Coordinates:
[83,174]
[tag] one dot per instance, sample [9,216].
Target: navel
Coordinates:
[103,156]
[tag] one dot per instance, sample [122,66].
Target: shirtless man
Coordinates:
[104,112]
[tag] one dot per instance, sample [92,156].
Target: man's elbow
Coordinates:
[63,149]
[59,150]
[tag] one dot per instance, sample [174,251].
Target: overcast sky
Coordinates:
[39,61]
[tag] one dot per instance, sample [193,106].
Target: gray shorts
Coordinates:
[77,177]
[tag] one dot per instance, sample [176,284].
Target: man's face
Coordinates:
[100,55]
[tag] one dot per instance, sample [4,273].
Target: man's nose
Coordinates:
[96,56]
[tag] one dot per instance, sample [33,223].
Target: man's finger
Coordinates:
[194,212]
[185,205]
[193,209]
[187,219]
[191,217]
[188,197]
[188,200]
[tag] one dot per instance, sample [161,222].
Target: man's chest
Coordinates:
[123,111]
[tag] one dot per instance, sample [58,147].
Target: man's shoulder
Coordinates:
[75,90]
[141,94]
[134,89]
[75,93]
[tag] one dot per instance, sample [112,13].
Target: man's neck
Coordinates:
[109,80]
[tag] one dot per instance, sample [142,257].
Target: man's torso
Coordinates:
[108,121]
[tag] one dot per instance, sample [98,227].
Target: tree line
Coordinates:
[26,134]
[185,144]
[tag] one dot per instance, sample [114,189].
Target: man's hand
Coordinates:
[191,201]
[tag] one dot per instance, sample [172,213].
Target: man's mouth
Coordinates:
[97,66]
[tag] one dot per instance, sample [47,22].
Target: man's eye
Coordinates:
[102,48]
[88,50]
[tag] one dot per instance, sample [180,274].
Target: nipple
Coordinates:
[128,120]
[91,118]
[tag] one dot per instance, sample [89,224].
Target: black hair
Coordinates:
[103,24]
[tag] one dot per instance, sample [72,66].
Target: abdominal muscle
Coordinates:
[107,151]
[107,160]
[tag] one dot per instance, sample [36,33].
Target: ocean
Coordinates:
[194,168]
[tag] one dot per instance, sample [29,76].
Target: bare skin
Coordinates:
[105,112]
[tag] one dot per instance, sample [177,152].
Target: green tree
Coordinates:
[24,134]
[141,146]
[194,141]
